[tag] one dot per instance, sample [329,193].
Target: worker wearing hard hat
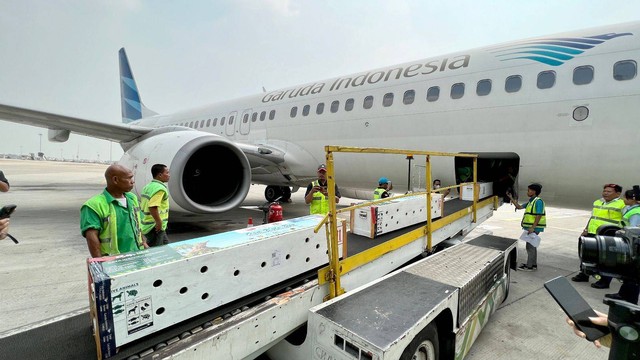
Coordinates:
[382,191]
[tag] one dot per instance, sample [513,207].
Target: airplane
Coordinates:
[559,110]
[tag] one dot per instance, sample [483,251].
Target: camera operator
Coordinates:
[602,320]
[606,211]
[629,290]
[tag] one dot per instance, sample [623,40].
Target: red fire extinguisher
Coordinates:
[275,212]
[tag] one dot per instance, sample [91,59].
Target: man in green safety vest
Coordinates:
[317,193]
[110,221]
[382,191]
[534,220]
[155,206]
[606,211]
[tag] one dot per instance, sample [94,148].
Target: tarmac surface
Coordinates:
[45,275]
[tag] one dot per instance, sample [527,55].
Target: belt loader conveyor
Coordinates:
[236,335]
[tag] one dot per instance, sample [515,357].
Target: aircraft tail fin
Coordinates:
[132,106]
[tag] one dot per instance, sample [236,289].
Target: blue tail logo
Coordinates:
[554,51]
[132,106]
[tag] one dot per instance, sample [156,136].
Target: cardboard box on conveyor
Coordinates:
[135,294]
[395,214]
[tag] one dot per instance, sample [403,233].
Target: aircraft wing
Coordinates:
[113,132]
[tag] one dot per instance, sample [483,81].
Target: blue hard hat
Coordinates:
[383,180]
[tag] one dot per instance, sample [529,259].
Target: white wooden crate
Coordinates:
[136,294]
[395,214]
[485,190]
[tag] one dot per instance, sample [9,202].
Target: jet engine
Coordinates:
[209,174]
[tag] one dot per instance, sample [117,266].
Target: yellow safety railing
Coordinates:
[336,267]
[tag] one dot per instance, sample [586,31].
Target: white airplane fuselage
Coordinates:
[571,157]
[561,110]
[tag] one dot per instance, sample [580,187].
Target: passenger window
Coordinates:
[294,111]
[368,102]
[433,93]
[215,121]
[320,108]
[254,117]
[201,123]
[546,79]
[457,90]
[335,106]
[272,114]
[387,100]
[191,124]
[222,121]
[348,105]
[305,110]
[409,97]
[208,122]
[624,70]
[484,87]
[245,118]
[231,118]
[513,83]
[263,115]
[583,75]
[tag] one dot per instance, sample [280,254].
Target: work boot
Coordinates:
[581,277]
[614,296]
[524,267]
[600,285]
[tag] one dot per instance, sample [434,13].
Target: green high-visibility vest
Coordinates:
[377,193]
[319,202]
[629,214]
[530,215]
[109,233]
[151,189]
[605,214]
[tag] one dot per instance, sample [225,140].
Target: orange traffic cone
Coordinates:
[250,223]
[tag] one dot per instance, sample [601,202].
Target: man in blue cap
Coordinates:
[382,191]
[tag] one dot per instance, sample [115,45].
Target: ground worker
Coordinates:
[606,211]
[110,221]
[155,206]
[382,191]
[317,193]
[533,222]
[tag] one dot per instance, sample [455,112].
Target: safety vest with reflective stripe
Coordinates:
[109,232]
[151,189]
[530,215]
[377,193]
[605,214]
[627,216]
[319,202]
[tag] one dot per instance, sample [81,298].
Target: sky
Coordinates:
[61,56]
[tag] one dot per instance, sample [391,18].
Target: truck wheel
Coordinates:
[424,346]
[507,270]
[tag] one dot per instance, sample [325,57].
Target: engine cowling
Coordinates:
[209,174]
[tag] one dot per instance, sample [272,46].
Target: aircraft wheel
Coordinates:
[424,346]
[286,193]
[271,193]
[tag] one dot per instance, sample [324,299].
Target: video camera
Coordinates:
[616,256]
[615,252]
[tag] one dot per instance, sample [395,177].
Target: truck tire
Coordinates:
[507,270]
[424,346]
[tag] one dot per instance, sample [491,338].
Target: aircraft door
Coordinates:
[232,123]
[245,122]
